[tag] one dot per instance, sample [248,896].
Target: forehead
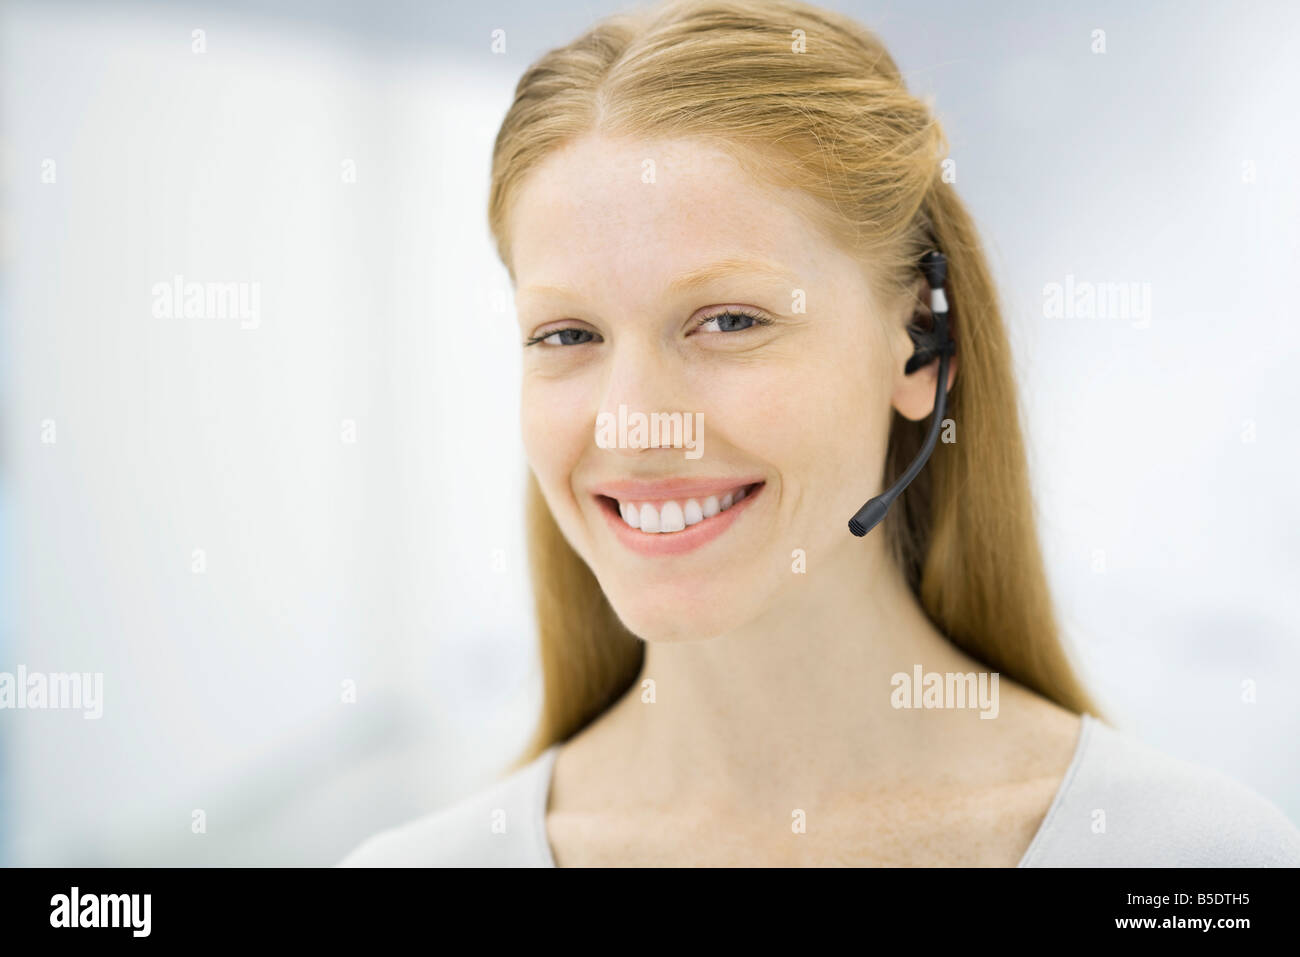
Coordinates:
[634,215]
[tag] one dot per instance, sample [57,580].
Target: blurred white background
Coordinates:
[1164,452]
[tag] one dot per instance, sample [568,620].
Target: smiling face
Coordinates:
[701,291]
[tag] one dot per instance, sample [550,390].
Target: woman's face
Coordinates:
[656,277]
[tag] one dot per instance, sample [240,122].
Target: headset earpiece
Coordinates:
[930,344]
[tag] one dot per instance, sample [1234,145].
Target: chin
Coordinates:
[711,609]
[652,625]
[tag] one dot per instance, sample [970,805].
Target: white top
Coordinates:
[1159,811]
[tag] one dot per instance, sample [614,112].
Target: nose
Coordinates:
[642,386]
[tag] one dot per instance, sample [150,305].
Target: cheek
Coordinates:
[848,420]
[818,418]
[554,420]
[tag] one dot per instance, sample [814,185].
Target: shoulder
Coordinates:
[502,825]
[1126,804]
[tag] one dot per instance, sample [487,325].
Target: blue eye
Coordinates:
[732,320]
[729,320]
[564,337]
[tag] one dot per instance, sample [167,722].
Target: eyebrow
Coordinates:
[698,277]
[725,268]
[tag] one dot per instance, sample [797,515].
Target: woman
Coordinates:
[717,210]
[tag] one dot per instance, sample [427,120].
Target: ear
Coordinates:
[913,395]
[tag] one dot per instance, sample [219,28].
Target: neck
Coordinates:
[802,694]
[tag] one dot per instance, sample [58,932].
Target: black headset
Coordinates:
[931,343]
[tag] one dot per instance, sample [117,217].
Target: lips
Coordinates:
[674,515]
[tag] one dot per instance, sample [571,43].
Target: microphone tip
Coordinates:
[869,516]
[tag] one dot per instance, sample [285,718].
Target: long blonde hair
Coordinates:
[807,98]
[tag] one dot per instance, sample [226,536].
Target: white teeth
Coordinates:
[670,517]
[649,519]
